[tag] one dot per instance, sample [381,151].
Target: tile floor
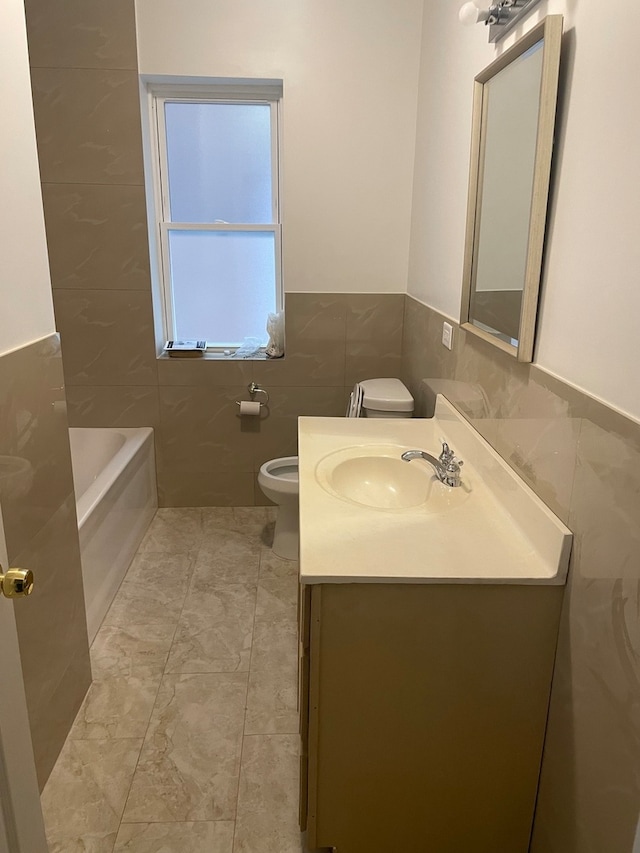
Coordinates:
[187,741]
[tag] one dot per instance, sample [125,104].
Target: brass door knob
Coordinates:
[16,582]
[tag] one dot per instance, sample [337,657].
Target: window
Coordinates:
[216,200]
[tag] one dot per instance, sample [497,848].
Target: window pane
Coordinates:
[219,158]
[223,284]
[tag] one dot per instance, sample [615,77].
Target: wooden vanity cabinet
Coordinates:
[422,714]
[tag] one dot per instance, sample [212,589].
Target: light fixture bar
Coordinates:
[511,12]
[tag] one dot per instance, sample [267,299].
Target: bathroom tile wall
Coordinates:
[583,459]
[86,105]
[208,455]
[39,519]
[88,127]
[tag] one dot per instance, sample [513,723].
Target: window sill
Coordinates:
[217,356]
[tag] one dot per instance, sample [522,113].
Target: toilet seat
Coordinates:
[280,474]
[279,478]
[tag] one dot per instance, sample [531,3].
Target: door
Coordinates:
[21,824]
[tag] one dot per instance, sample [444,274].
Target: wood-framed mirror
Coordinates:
[514,110]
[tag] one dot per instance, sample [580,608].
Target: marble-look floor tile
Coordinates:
[275,645]
[277,599]
[275,632]
[174,530]
[272,566]
[146,611]
[227,556]
[118,707]
[183,837]
[215,630]
[165,575]
[272,701]
[189,764]
[119,653]
[83,800]
[268,796]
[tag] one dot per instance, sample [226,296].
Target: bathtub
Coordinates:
[115,485]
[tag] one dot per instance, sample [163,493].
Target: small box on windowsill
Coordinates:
[185,349]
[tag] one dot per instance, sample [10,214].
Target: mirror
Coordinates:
[514,111]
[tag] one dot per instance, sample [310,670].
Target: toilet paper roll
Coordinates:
[248,407]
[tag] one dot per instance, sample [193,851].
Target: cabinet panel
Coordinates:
[427,714]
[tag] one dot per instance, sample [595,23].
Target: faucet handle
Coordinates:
[447,454]
[452,471]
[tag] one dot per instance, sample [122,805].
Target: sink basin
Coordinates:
[366,516]
[376,477]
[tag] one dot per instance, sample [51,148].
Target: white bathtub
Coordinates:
[115,484]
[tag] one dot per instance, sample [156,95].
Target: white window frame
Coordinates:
[267,93]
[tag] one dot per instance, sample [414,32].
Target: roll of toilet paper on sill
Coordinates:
[248,407]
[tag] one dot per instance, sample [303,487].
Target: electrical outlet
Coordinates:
[447,335]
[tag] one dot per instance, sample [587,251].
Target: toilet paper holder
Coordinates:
[253,388]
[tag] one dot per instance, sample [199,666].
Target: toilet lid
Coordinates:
[386,395]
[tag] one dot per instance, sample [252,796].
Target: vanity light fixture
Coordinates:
[500,16]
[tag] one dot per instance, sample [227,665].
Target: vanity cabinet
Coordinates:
[422,714]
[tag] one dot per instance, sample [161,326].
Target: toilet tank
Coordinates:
[386,398]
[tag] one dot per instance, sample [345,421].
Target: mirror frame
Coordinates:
[549,30]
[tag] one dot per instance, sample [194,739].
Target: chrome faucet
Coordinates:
[446,466]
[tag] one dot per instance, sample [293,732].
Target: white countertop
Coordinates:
[497,531]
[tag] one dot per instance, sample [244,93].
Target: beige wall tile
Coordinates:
[259,497]
[315,328]
[583,459]
[81,33]
[179,488]
[206,372]
[107,337]
[278,434]
[201,430]
[88,125]
[113,405]
[97,236]
[373,336]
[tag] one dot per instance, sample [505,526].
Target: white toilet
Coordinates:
[278,478]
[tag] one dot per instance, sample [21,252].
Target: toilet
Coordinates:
[278,478]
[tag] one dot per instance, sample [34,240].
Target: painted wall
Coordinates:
[350,74]
[24,270]
[587,331]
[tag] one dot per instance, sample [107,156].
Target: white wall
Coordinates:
[26,309]
[589,327]
[350,71]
